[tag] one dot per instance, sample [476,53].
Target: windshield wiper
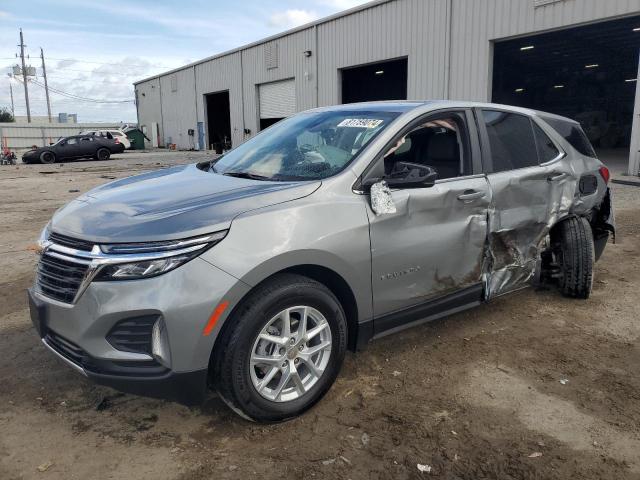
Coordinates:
[250,176]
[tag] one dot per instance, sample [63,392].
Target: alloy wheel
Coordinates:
[290,354]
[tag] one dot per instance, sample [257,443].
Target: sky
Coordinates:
[96,50]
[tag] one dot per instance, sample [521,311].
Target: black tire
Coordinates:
[575,257]
[103,154]
[231,371]
[47,157]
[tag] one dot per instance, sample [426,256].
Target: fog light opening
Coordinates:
[160,343]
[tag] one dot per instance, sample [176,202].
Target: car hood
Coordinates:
[36,151]
[169,204]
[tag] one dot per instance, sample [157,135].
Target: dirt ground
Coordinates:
[473,396]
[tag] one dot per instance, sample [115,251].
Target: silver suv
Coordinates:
[254,273]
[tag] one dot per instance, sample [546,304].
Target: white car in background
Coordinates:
[112,134]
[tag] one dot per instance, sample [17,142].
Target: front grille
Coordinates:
[133,334]
[59,279]
[70,242]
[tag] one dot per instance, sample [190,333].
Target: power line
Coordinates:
[88,72]
[78,97]
[107,63]
[87,80]
[75,60]
[93,72]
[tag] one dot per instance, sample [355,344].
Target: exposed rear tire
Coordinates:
[47,157]
[103,154]
[300,364]
[574,250]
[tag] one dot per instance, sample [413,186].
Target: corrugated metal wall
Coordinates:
[219,75]
[149,105]
[291,64]
[448,44]
[416,29]
[179,107]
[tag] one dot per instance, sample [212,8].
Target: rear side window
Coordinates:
[572,133]
[547,150]
[511,140]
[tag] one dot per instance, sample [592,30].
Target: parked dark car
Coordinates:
[79,146]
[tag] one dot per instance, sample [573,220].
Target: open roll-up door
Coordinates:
[634,151]
[277,99]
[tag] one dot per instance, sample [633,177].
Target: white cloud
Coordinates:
[66,63]
[291,18]
[4,14]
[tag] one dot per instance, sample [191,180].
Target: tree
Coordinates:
[5,115]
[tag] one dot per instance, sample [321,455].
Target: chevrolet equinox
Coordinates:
[252,274]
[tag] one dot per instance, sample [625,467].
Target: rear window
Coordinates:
[572,133]
[511,140]
[547,151]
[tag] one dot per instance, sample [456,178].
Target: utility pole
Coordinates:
[13,110]
[24,77]
[46,85]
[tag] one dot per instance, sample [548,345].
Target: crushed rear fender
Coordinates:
[603,224]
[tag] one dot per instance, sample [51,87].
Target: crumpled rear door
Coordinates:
[532,187]
[526,203]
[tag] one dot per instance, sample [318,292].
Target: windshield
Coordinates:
[307,146]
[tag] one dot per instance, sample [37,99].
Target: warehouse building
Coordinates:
[572,57]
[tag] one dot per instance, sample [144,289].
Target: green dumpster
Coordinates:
[137,139]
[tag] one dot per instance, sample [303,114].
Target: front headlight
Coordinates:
[43,239]
[152,258]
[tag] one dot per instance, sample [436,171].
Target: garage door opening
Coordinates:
[587,73]
[277,101]
[218,121]
[377,81]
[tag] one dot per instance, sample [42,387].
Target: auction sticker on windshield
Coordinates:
[360,123]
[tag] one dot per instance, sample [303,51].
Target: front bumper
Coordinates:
[29,157]
[183,298]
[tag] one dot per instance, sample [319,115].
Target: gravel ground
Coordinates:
[473,396]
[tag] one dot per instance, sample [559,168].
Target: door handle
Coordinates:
[556,176]
[470,195]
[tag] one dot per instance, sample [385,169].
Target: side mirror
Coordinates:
[411,175]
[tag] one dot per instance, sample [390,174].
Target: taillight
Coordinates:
[604,173]
[117,140]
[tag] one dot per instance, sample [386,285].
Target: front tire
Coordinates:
[47,157]
[282,351]
[103,154]
[574,252]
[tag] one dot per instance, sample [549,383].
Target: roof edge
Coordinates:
[306,26]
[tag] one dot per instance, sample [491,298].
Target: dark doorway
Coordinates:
[377,81]
[267,122]
[218,121]
[587,73]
